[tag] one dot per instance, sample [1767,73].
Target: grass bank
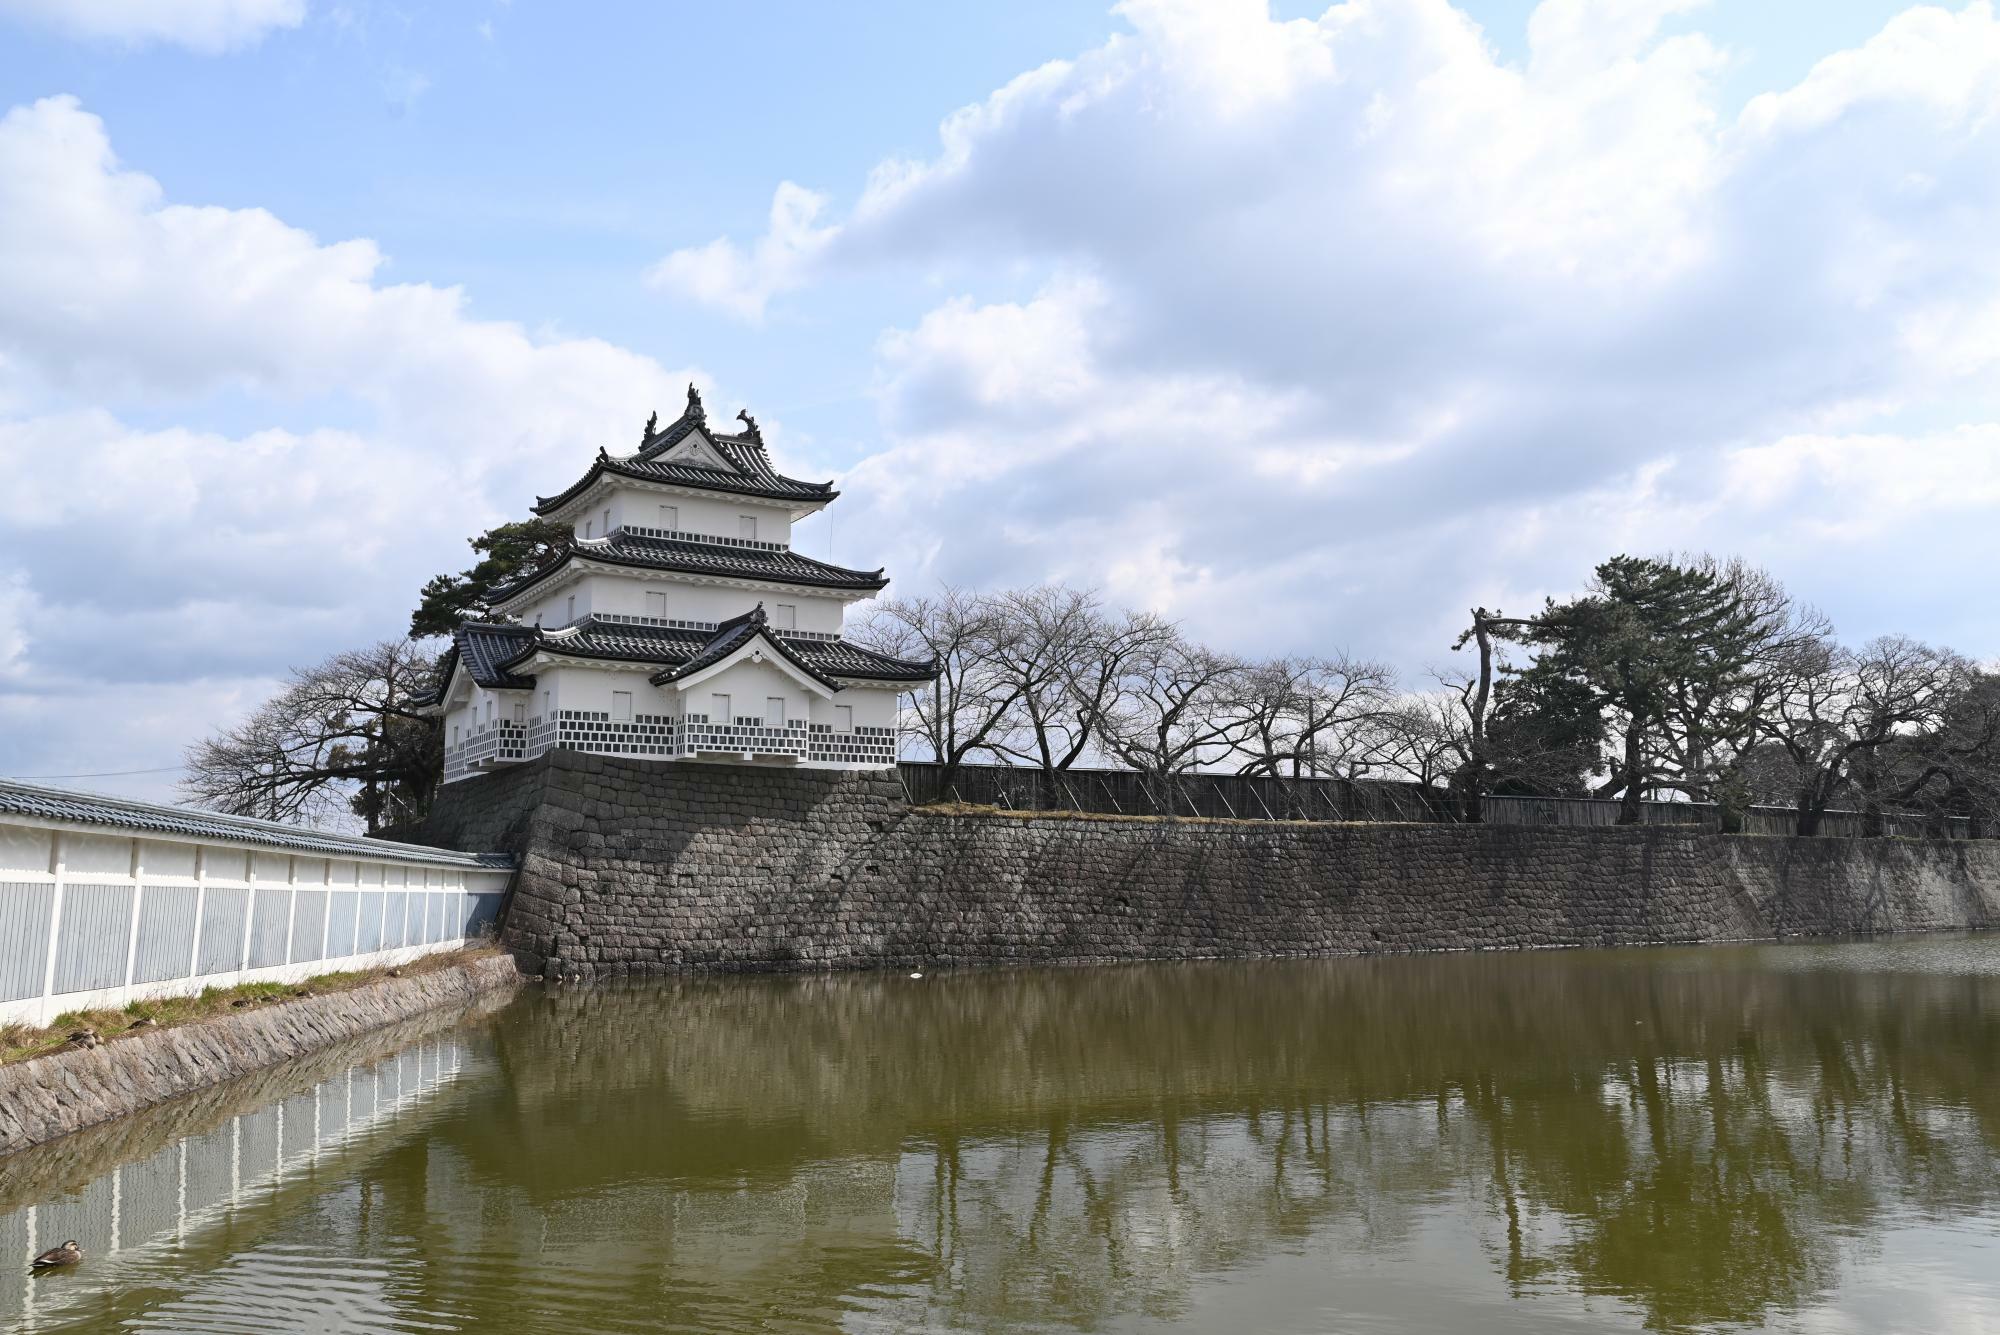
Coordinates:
[23,1043]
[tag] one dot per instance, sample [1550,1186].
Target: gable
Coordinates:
[699,452]
[758,650]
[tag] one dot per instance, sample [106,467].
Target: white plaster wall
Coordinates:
[168,863]
[873,708]
[568,603]
[591,689]
[457,724]
[481,709]
[748,685]
[625,595]
[713,517]
[25,850]
[36,855]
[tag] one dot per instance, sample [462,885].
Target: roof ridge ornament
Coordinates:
[695,412]
[652,429]
[750,430]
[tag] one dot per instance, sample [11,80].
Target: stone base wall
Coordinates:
[628,866]
[50,1096]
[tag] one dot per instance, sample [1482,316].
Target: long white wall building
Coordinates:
[678,624]
[104,901]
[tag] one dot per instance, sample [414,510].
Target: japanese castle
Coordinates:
[678,624]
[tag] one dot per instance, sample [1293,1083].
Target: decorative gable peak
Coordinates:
[754,617]
[698,450]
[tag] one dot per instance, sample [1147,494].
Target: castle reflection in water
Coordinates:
[1664,1139]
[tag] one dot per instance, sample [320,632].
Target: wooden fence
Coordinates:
[1243,797]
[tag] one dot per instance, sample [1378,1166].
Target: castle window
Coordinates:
[621,706]
[670,517]
[785,616]
[843,718]
[746,527]
[656,603]
[774,711]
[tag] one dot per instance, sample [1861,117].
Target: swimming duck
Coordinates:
[67,1254]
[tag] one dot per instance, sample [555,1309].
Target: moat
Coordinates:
[1797,1137]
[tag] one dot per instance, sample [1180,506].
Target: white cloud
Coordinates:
[208,26]
[722,274]
[158,559]
[1314,333]
[17,606]
[1347,323]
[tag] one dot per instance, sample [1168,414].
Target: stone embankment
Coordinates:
[636,867]
[51,1096]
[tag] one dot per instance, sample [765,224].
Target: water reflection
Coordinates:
[1799,1136]
[153,1185]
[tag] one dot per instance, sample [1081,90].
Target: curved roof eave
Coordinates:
[811,493]
[864,583]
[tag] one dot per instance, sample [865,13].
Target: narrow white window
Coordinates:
[621,706]
[587,526]
[545,704]
[718,709]
[489,710]
[569,609]
[774,711]
[607,521]
[670,517]
[656,604]
[746,527]
[520,712]
[785,616]
[843,718]
[454,734]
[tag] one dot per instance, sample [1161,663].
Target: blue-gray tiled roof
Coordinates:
[782,566]
[673,647]
[142,818]
[732,635]
[751,473]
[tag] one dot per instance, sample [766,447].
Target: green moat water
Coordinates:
[1799,1137]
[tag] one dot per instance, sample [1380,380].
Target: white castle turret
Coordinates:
[678,624]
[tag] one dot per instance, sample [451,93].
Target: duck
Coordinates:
[67,1254]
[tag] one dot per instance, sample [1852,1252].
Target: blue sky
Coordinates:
[1310,326]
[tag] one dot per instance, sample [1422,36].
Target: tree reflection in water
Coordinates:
[1700,1133]
[1675,1138]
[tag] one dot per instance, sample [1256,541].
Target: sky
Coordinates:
[1310,327]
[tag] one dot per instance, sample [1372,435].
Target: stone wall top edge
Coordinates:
[1434,829]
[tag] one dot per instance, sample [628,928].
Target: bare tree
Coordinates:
[1312,715]
[973,702]
[1952,771]
[1173,709]
[1112,644]
[1833,708]
[343,738]
[1043,635]
[1425,736]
